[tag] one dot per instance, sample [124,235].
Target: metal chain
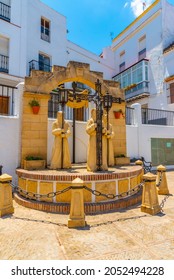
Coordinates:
[163,201]
[160,180]
[112,196]
[33,195]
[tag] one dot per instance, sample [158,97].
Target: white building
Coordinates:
[144,67]
[142,59]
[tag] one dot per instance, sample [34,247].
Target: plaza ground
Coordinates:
[128,234]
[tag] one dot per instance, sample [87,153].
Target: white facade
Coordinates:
[154,27]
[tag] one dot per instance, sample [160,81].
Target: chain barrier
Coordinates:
[163,201]
[112,196]
[35,196]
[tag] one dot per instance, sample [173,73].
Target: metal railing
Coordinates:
[38,65]
[4,11]
[4,63]
[157,117]
[140,88]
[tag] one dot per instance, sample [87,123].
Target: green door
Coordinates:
[162,150]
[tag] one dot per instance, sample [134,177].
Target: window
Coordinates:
[4,59]
[172,93]
[122,61]
[45,30]
[4,101]
[136,74]
[142,48]
[5,10]
[44,63]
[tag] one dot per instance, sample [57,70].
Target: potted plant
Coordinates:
[122,160]
[34,163]
[35,105]
[118,114]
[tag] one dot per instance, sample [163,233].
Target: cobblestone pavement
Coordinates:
[127,234]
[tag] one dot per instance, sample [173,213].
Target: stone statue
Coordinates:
[91,156]
[108,141]
[61,133]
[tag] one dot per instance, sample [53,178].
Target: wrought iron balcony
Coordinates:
[157,117]
[5,12]
[4,62]
[138,91]
[38,65]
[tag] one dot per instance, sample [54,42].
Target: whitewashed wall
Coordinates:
[10,144]
[139,136]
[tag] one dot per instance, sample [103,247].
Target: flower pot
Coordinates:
[117,115]
[34,164]
[36,109]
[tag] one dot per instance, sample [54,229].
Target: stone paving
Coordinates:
[124,235]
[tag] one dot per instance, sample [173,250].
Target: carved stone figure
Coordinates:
[61,133]
[91,156]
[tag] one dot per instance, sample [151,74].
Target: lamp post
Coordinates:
[63,99]
[98,102]
[107,104]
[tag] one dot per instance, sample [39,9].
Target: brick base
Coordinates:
[90,208]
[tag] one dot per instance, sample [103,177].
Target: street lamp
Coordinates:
[107,104]
[63,99]
[98,102]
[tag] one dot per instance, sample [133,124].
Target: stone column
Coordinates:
[6,202]
[77,214]
[34,127]
[150,202]
[163,187]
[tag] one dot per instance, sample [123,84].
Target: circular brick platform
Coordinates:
[90,208]
[115,181]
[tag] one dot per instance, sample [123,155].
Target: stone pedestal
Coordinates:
[150,203]
[77,214]
[6,202]
[163,188]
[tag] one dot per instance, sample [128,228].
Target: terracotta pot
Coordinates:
[36,109]
[117,115]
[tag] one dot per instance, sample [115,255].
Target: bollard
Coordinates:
[77,214]
[150,203]
[139,162]
[6,202]
[163,186]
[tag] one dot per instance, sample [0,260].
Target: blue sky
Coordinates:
[93,23]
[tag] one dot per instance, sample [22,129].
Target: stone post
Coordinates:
[163,187]
[77,214]
[150,202]
[6,202]
[140,163]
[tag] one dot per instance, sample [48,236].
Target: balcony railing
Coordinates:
[38,65]
[4,11]
[157,117]
[4,62]
[139,89]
